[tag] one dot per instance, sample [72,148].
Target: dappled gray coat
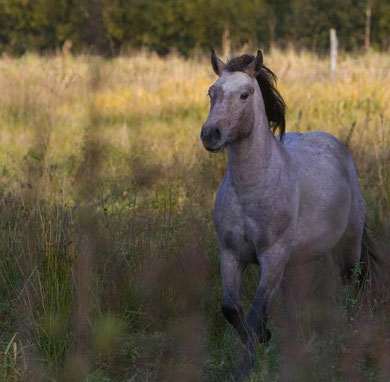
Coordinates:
[282,201]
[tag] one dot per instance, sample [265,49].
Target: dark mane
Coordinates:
[275,107]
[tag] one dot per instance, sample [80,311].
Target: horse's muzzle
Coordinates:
[211,137]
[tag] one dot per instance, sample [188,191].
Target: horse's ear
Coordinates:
[255,66]
[217,63]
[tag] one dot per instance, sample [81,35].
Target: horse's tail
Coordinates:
[373,266]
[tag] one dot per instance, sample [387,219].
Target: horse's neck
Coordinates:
[249,159]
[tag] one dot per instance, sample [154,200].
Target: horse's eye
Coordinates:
[244,95]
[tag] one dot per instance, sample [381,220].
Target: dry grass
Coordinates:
[108,260]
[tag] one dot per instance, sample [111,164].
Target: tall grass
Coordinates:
[108,258]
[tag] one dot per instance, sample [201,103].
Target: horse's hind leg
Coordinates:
[348,250]
[294,287]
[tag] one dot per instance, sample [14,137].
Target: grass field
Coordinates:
[108,257]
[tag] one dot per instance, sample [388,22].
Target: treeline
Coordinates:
[112,26]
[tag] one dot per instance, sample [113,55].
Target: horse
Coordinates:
[284,200]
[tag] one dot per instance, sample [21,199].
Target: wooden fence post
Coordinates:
[333,52]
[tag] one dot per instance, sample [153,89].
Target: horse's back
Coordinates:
[313,140]
[321,151]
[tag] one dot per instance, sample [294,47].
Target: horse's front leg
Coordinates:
[231,273]
[272,268]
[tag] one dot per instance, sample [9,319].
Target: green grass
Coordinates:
[109,267]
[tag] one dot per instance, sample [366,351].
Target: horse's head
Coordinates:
[245,94]
[234,97]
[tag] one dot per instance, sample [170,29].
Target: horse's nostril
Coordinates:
[210,134]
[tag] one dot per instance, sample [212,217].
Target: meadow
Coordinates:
[109,264]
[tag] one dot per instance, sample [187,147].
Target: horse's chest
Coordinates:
[240,228]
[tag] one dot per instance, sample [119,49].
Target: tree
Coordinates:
[112,26]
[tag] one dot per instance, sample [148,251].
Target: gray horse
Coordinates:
[282,201]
